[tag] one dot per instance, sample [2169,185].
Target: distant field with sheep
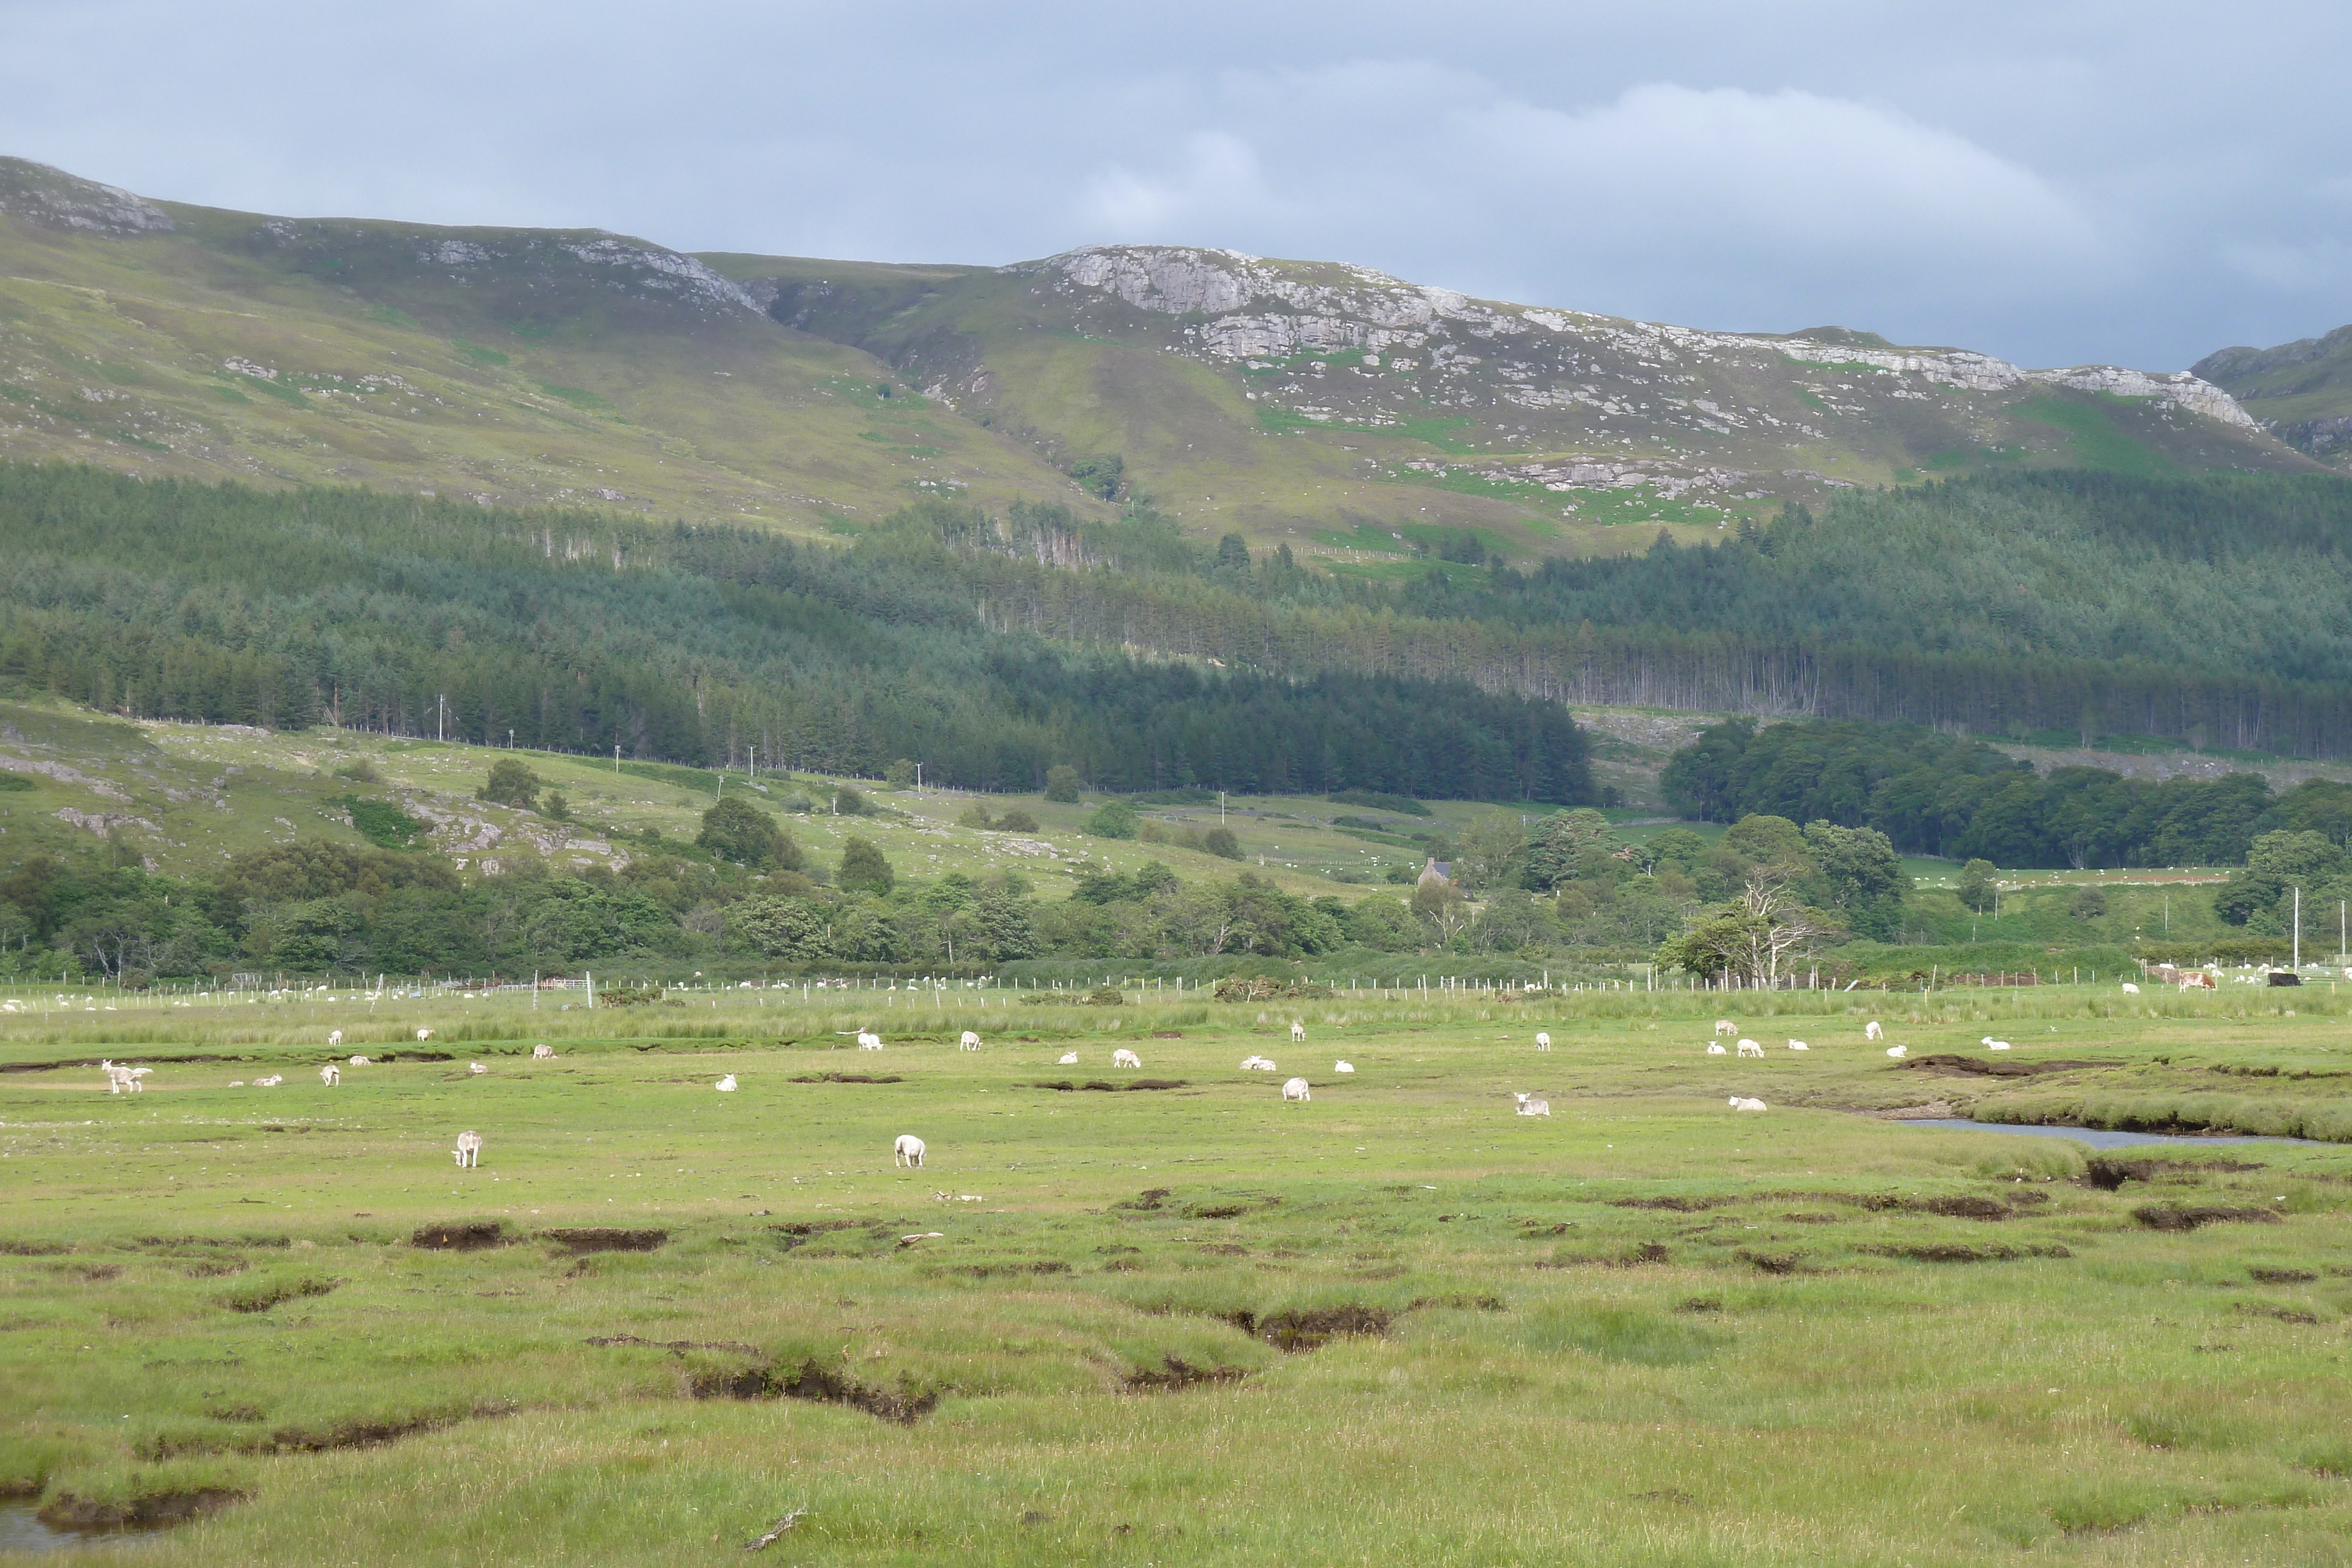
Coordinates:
[1470,1302]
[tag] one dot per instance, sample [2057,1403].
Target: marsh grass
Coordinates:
[1398,1324]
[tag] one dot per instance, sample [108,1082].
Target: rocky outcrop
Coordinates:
[58,200]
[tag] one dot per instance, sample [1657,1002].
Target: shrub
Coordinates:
[554,807]
[736,831]
[899,775]
[383,824]
[862,869]
[1113,819]
[1062,784]
[849,801]
[2089,904]
[1221,842]
[1017,822]
[511,783]
[359,770]
[974,816]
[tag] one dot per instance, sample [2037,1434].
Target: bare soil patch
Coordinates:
[601,1239]
[1294,1330]
[2175,1216]
[1175,1373]
[461,1236]
[68,1511]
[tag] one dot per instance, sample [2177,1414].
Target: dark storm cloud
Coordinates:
[2052,183]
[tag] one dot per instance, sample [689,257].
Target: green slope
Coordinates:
[2302,389]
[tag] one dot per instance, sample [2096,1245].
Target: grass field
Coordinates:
[1191,1323]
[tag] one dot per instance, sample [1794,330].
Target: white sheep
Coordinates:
[1123,1056]
[727,1085]
[331,1075]
[1543,1041]
[1069,1059]
[1258,1064]
[335,1037]
[1998,1045]
[1739,1103]
[869,1041]
[358,1061]
[1799,1045]
[542,1051]
[1297,1031]
[476,1069]
[1343,1067]
[119,1079]
[1725,1026]
[1872,1032]
[1531,1106]
[1715,1047]
[423,1035]
[971,1041]
[908,1151]
[1295,1089]
[470,1149]
[1750,1048]
[1899,1051]
[272,1081]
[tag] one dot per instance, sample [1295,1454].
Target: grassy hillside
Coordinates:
[2302,390]
[505,366]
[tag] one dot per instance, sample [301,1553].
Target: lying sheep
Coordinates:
[1069,1059]
[908,1151]
[358,1061]
[1343,1067]
[1799,1045]
[1531,1106]
[726,1085]
[1715,1047]
[476,1068]
[1737,1104]
[1899,1051]
[470,1149]
[272,1081]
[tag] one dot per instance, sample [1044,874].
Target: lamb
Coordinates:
[121,1080]
[1872,1032]
[1899,1051]
[1297,1031]
[1998,1045]
[1531,1106]
[331,1075]
[358,1061]
[2130,990]
[1295,1089]
[869,1041]
[1739,1103]
[423,1035]
[1725,1026]
[1543,1041]
[971,1041]
[1750,1047]
[727,1085]
[1069,1059]
[476,1069]
[470,1149]
[1343,1067]
[908,1152]
[1715,1047]
[542,1051]
[1123,1056]
[336,1038]
[1799,1045]
[272,1081]
[1257,1065]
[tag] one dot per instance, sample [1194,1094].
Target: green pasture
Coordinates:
[1190,1322]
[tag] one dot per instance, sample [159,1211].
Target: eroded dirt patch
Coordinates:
[605,1239]
[2178,1217]
[2108,1172]
[1952,1062]
[66,1512]
[461,1236]
[1102,1086]
[848,1078]
[1293,1331]
[1175,1373]
[812,1380]
[1954,1252]
[263,1297]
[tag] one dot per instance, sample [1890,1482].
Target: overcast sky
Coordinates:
[2051,182]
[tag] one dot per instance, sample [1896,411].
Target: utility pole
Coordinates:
[1221,808]
[616,759]
[2297,962]
[755,763]
[511,738]
[918,778]
[441,717]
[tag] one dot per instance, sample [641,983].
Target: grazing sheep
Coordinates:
[336,1038]
[1343,1067]
[1899,1051]
[358,1061]
[727,1084]
[1296,1090]
[869,1041]
[542,1051]
[1297,1031]
[272,1081]
[971,1041]
[331,1075]
[423,1035]
[1069,1059]
[1872,1032]
[2130,990]
[1750,1047]
[1737,1104]
[1531,1106]
[1725,1026]
[470,1149]
[908,1151]
[1715,1047]
[1543,1042]
[476,1068]
[1123,1056]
